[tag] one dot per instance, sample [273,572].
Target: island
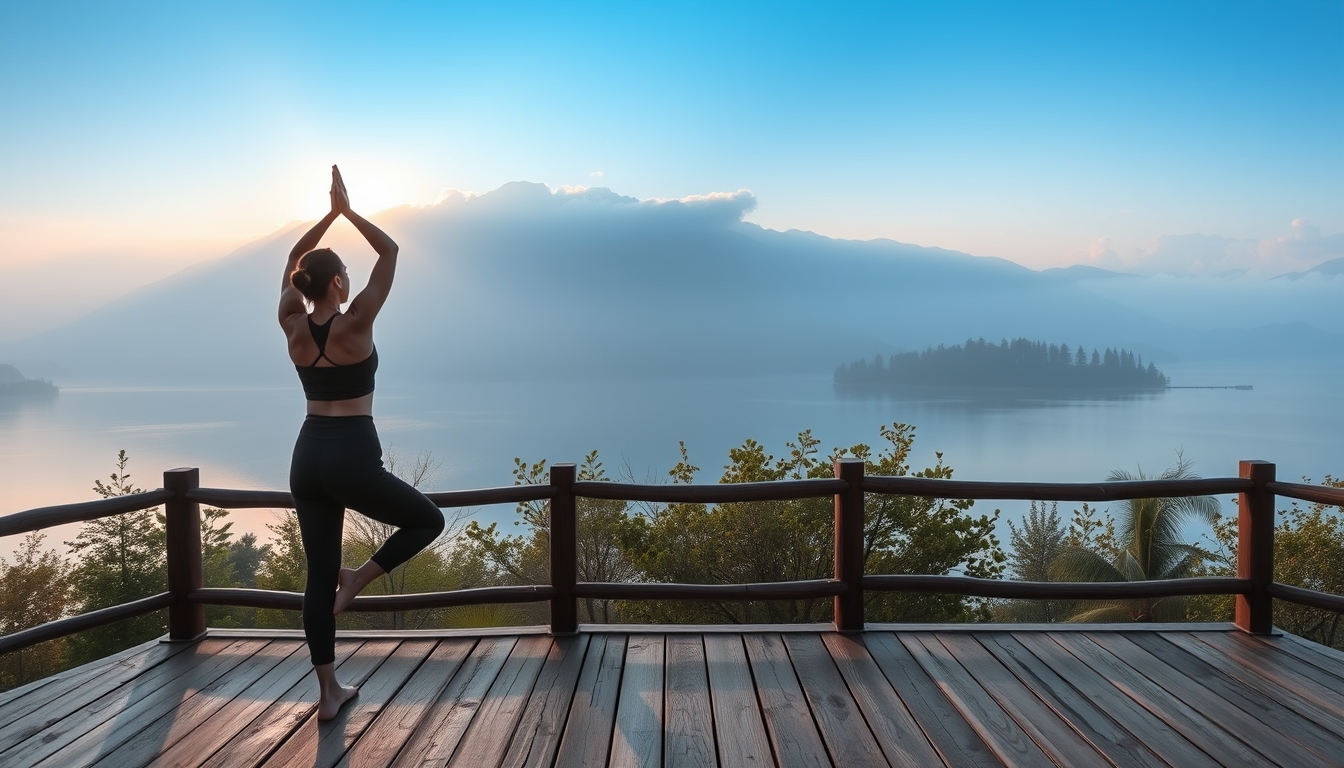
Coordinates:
[1017,364]
[13,384]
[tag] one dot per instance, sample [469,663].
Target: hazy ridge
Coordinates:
[524,282]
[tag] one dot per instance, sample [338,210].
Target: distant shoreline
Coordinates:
[28,388]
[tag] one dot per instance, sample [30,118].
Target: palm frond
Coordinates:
[1078,564]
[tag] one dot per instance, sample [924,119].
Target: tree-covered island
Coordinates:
[1016,364]
[14,384]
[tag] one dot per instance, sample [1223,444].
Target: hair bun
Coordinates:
[300,279]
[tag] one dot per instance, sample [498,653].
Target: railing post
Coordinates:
[186,620]
[564,551]
[849,546]
[1255,549]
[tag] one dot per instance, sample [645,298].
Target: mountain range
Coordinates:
[529,282]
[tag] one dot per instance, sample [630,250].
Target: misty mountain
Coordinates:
[527,282]
[1330,269]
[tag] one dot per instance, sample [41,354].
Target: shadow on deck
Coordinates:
[913,695]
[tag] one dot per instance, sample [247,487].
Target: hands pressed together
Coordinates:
[340,199]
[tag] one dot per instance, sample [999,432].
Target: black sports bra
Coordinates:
[339,382]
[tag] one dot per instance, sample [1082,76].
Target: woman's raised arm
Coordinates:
[364,307]
[291,300]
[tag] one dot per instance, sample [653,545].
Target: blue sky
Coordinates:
[1047,133]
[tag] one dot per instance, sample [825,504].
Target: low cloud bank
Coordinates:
[1300,249]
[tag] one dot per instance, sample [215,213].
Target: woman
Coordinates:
[337,460]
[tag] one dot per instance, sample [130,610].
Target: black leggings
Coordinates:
[338,464]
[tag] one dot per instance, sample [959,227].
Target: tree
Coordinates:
[245,558]
[602,527]
[285,568]
[912,534]
[1308,553]
[742,542]
[1148,547]
[794,539]
[34,589]
[119,559]
[1035,546]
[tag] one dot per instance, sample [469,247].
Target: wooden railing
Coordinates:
[181,495]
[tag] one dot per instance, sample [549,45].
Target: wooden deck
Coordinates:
[917,696]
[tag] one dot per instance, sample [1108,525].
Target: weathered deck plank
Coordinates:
[587,738]
[843,729]
[322,745]
[269,729]
[737,713]
[493,727]
[1303,677]
[788,720]
[1003,734]
[390,731]
[637,741]
[221,727]
[1239,706]
[901,739]
[1107,717]
[441,729]
[177,724]
[957,743]
[921,696]
[537,737]
[1179,715]
[115,715]
[1301,695]
[43,707]
[1054,734]
[689,741]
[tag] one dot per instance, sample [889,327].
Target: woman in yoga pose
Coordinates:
[337,460]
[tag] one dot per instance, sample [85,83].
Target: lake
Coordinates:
[52,451]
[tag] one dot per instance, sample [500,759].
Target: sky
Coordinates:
[138,138]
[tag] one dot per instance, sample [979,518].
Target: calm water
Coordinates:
[50,453]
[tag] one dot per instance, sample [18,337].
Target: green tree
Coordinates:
[34,589]
[741,542]
[246,558]
[794,539]
[1035,545]
[1308,553]
[1147,547]
[285,569]
[601,528]
[118,559]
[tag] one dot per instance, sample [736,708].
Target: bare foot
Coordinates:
[330,705]
[346,590]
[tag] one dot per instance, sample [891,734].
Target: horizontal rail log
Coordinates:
[293,601]
[971,586]
[509,494]
[1308,597]
[229,498]
[775,590]
[710,493]
[1321,494]
[68,626]
[233,499]
[46,517]
[1117,491]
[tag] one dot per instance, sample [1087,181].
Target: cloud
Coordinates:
[1195,254]
[533,200]
[1100,254]
[1302,248]
[596,174]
